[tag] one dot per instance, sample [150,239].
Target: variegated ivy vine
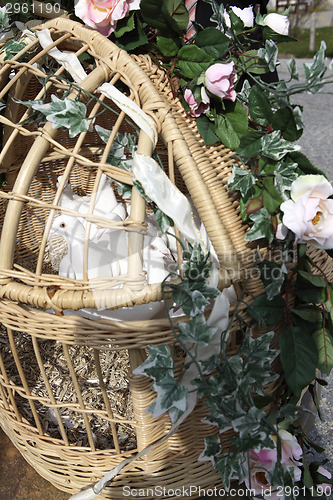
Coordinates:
[286,202]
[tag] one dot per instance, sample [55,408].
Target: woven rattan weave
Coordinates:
[38,341]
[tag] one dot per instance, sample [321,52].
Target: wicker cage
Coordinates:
[68,398]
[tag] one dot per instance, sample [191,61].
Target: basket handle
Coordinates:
[26,174]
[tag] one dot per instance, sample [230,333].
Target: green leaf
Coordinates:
[225,131]
[251,144]
[262,227]
[254,205]
[213,42]
[192,60]
[175,14]
[133,38]
[241,180]
[206,129]
[125,25]
[196,331]
[315,72]
[299,358]
[168,16]
[283,120]
[65,113]
[325,350]
[271,197]
[259,106]
[266,312]
[252,63]
[314,279]
[304,163]
[237,116]
[168,46]
[310,314]
[272,277]
[12,47]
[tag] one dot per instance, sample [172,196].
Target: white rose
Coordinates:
[246,15]
[309,213]
[278,23]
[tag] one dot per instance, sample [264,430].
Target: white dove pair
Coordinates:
[107,248]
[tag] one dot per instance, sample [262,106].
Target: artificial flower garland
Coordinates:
[284,199]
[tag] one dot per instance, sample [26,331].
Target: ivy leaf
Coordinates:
[193,60]
[274,147]
[259,106]
[292,68]
[65,113]
[206,129]
[241,180]
[12,47]
[314,73]
[171,396]
[285,175]
[212,41]
[266,312]
[299,357]
[247,424]
[196,331]
[211,450]
[325,350]
[262,227]
[269,54]
[164,222]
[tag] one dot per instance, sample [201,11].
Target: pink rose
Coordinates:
[220,79]
[309,213]
[261,464]
[197,108]
[103,15]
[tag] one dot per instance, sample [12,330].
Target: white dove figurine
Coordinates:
[106,204]
[101,260]
[156,262]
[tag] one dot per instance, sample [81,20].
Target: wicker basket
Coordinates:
[60,400]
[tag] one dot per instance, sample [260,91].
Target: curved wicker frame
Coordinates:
[31,159]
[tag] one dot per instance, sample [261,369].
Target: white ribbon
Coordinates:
[131,109]
[166,195]
[69,60]
[72,64]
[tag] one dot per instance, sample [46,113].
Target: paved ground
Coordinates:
[316,144]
